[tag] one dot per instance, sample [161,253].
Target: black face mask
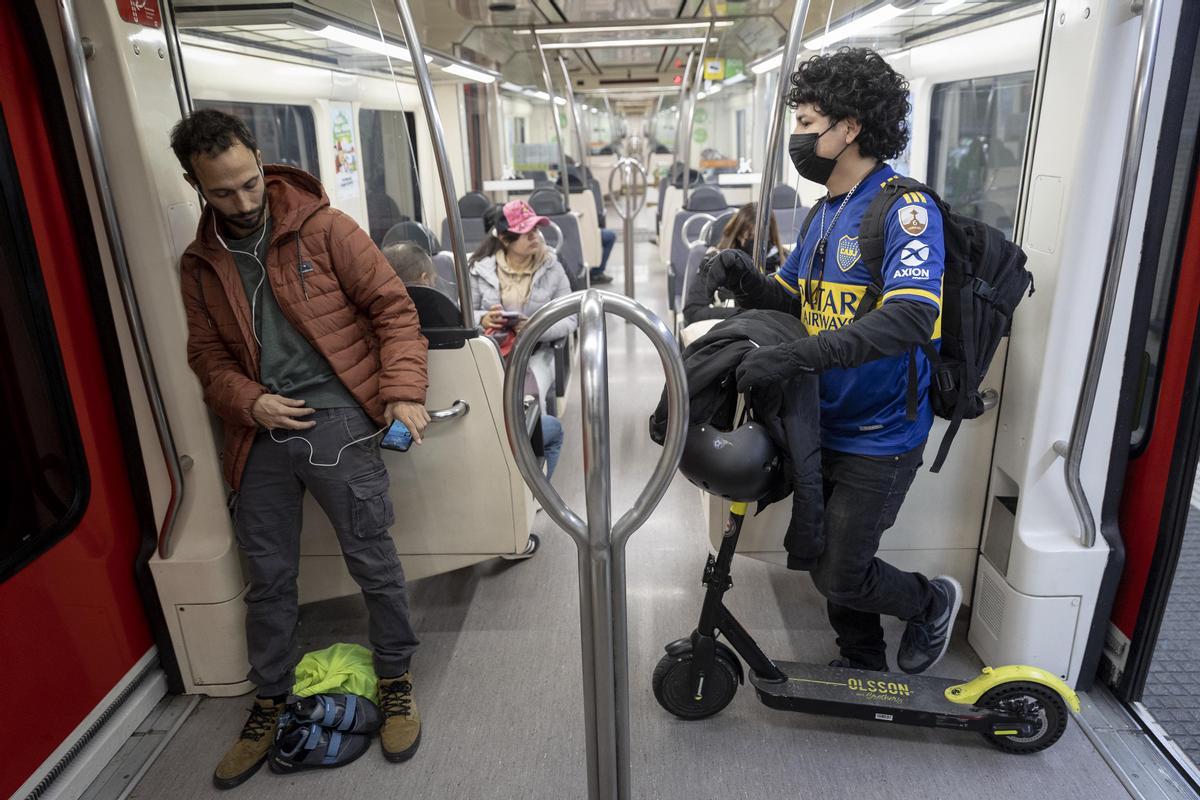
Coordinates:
[802,147]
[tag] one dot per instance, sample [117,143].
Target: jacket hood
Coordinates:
[292,197]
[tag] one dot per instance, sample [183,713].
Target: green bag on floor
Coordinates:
[338,669]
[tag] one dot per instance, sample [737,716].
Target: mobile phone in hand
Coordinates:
[397,438]
[511,318]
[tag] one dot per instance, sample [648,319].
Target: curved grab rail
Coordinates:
[1072,449]
[90,121]
[708,220]
[557,232]
[629,186]
[600,544]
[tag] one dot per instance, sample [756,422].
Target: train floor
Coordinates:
[497,678]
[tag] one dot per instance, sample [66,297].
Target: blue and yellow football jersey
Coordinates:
[863,410]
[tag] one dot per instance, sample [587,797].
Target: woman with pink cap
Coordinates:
[513,274]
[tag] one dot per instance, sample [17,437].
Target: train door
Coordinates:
[72,625]
[1152,642]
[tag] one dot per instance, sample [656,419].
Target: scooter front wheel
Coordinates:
[1031,699]
[674,692]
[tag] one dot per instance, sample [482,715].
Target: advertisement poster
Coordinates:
[345,154]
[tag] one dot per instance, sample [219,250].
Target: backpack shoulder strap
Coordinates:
[808,219]
[872,234]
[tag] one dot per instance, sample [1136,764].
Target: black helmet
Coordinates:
[742,465]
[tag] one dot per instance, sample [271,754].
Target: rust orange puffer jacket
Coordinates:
[350,306]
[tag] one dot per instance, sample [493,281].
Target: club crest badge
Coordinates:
[913,219]
[847,252]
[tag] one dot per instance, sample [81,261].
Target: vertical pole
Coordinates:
[421,73]
[629,185]
[576,118]
[562,152]
[593,368]
[681,108]
[775,136]
[687,143]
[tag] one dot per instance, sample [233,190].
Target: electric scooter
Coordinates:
[1018,709]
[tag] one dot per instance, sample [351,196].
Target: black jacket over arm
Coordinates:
[789,410]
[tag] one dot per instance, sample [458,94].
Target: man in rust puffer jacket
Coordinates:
[307,346]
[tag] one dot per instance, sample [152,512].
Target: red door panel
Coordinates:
[71,621]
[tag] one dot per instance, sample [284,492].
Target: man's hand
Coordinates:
[413,415]
[274,411]
[726,269]
[766,365]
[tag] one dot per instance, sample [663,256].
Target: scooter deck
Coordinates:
[877,696]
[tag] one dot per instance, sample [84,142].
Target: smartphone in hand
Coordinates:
[398,437]
[511,318]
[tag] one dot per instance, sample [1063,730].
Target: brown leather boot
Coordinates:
[401,733]
[250,750]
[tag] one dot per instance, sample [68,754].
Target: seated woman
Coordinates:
[739,234]
[415,268]
[513,274]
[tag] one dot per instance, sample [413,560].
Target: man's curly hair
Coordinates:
[857,83]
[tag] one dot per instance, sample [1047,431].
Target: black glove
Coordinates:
[766,365]
[726,269]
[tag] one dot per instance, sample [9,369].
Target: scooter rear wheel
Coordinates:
[1027,698]
[674,692]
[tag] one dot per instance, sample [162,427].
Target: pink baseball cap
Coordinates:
[520,217]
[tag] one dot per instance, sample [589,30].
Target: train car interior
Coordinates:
[1068,509]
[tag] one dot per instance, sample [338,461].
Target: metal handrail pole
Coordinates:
[577,119]
[628,189]
[562,152]
[603,615]
[176,58]
[698,78]
[438,137]
[597,481]
[90,121]
[1135,135]
[762,230]
[682,113]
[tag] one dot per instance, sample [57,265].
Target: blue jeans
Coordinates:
[607,240]
[863,494]
[552,439]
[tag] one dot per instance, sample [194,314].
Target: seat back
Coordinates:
[443,262]
[474,232]
[706,198]
[434,309]
[470,453]
[411,231]
[789,221]
[709,236]
[784,196]
[473,205]
[547,201]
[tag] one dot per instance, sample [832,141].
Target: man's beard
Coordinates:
[248,222]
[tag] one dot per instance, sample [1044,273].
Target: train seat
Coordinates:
[413,232]
[705,202]
[471,207]
[710,235]
[549,203]
[789,214]
[468,452]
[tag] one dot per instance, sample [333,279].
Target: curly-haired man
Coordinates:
[851,113]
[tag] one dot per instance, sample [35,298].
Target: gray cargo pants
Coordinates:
[268,517]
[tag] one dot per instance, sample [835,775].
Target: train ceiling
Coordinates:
[590,35]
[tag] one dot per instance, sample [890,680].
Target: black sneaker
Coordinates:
[601,278]
[924,643]
[850,663]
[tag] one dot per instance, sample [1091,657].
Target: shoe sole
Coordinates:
[404,755]
[230,783]
[950,626]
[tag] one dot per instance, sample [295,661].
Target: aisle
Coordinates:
[498,682]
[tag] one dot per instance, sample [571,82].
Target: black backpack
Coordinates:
[984,280]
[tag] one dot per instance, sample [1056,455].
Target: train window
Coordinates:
[44,480]
[977,144]
[393,188]
[285,134]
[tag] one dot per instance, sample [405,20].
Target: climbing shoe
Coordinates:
[401,733]
[924,643]
[348,713]
[250,750]
[309,746]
